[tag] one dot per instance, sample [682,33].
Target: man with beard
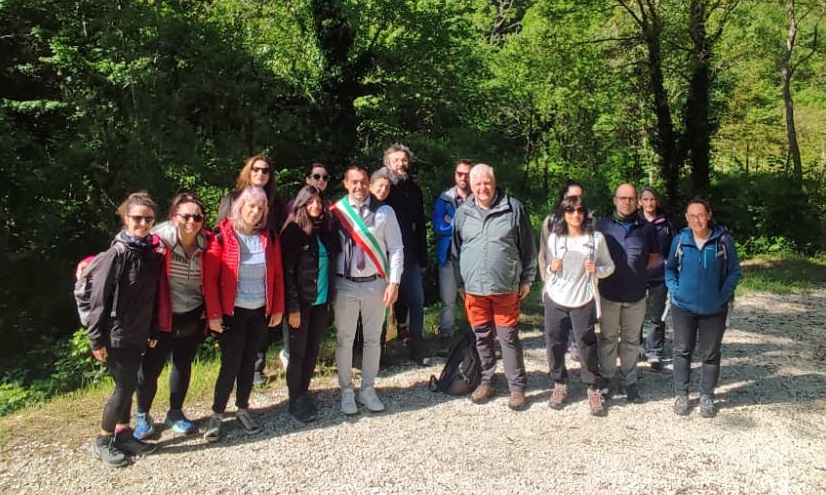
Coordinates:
[407,201]
[443,213]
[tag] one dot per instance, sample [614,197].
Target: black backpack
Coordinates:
[463,371]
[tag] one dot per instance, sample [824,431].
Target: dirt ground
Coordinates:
[767,438]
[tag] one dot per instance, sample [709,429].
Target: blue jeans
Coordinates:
[447,293]
[411,295]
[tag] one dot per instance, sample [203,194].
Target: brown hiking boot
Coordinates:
[596,404]
[558,396]
[517,401]
[482,394]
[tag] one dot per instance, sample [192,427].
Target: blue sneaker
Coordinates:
[144,425]
[179,424]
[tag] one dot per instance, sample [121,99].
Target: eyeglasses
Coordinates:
[575,210]
[701,216]
[189,216]
[263,170]
[323,177]
[142,219]
[627,199]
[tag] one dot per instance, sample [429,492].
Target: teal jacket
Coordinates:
[702,281]
[493,249]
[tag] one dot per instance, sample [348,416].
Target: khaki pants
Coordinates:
[620,335]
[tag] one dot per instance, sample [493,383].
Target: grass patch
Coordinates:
[782,275]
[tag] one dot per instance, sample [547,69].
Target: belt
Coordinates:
[359,280]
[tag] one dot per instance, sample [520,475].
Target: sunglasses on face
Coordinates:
[141,219]
[323,177]
[263,170]
[575,210]
[189,216]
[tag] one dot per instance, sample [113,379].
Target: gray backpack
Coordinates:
[83,285]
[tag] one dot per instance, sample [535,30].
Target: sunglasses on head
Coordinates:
[263,170]
[189,216]
[575,210]
[323,177]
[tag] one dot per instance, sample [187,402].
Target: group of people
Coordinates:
[156,291]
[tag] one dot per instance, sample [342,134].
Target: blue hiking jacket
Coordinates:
[445,206]
[702,281]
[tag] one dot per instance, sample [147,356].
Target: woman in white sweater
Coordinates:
[578,258]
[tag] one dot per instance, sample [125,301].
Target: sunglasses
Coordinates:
[142,219]
[575,210]
[189,216]
[263,170]
[323,177]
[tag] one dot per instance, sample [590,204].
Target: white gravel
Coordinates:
[767,438]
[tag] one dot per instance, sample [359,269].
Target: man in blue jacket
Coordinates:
[632,243]
[443,213]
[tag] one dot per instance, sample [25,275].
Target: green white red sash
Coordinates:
[355,226]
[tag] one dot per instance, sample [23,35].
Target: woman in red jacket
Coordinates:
[244,293]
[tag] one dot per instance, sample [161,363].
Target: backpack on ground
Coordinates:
[463,371]
[83,285]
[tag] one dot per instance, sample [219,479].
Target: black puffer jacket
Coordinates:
[136,311]
[299,253]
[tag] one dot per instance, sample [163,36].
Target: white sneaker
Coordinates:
[370,400]
[284,358]
[348,402]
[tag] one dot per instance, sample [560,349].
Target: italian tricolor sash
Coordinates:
[362,236]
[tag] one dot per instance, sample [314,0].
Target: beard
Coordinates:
[396,177]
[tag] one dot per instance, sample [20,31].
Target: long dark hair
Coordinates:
[299,215]
[560,226]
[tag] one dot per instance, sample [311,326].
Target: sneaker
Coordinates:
[259,379]
[144,425]
[707,407]
[179,423]
[284,357]
[348,402]
[213,431]
[517,402]
[248,423]
[108,453]
[596,403]
[370,400]
[681,407]
[127,443]
[558,396]
[482,394]
[632,394]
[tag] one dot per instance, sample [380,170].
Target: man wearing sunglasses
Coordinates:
[633,246]
[407,201]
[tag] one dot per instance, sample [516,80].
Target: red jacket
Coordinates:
[220,270]
[164,289]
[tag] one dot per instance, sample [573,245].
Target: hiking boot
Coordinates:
[443,345]
[417,352]
[558,396]
[302,411]
[259,379]
[248,423]
[656,365]
[144,425]
[681,407]
[632,394]
[370,400]
[179,423]
[482,394]
[213,431]
[348,402]
[108,453]
[596,404]
[126,442]
[517,401]
[707,407]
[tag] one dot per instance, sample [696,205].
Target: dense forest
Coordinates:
[720,98]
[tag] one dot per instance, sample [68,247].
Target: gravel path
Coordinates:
[767,438]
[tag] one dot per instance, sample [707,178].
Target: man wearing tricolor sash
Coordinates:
[368,269]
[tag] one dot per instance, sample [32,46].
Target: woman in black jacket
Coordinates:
[309,248]
[122,315]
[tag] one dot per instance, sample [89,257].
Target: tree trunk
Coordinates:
[698,128]
[786,73]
